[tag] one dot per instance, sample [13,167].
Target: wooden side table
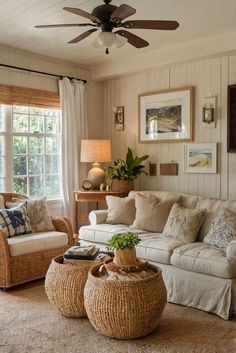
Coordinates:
[91,196]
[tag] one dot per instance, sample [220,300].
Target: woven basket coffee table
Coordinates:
[124,309]
[64,285]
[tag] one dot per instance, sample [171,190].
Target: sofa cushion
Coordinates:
[120,210]
[154,247]
[222,230]
[214,207]
[151,212]
[15,221]
[30,243]
[203,258]
[183,223]
[101,233]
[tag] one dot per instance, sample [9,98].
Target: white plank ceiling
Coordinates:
[198,19]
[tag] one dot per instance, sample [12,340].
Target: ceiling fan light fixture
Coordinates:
[106,39]
[120,41]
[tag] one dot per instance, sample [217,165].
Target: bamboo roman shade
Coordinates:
[28,96]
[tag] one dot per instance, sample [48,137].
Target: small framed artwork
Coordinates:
[118,117]
[200,158]
[166,116]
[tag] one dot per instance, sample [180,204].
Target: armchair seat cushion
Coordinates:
[203,258]
[30,243]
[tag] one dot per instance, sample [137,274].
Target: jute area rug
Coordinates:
[29,323]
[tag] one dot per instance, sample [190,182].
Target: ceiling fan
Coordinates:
[108,17]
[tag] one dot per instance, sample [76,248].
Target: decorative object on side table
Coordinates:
[125,171]
[166,116]
[87,184]
[96,151]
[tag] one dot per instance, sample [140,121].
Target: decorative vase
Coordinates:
[125,256]
[122,185]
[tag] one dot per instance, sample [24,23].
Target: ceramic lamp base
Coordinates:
[96,175]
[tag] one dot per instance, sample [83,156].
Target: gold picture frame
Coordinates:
[166,116]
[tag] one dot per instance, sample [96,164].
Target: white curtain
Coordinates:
[74,129]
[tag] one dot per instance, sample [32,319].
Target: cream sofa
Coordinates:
[195,274]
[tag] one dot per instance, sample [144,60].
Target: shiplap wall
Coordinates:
[208,77]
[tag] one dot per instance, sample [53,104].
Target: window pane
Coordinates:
[36,123]
[20,109]
[2,118]
[2,141]
[2,184]
[52,164]
[36,111]
[19,165]
[36,186]
[20,185]
[2,166]
[20,123]
[52,124]
[19,145]
[52,185]
[36,145]
[36,165]
[52,145]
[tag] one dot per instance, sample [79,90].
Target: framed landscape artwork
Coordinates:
[200,158]
[166,116]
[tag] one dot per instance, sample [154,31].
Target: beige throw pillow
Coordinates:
[120,210]
[183,223]
[151,212]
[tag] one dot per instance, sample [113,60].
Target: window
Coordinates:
[30,150]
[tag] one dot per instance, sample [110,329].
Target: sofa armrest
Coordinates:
[64,225]
[231,251]
[97,217]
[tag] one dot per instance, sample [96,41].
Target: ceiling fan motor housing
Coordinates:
[103,12]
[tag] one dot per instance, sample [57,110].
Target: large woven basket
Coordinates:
[64,285]
[124,309]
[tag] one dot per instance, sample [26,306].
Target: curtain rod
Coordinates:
[40,72]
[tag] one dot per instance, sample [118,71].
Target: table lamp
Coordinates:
[96,151]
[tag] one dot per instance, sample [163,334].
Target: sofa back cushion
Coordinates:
[151,212]
[183,223]
[187,200]
[120,210]
[214,207]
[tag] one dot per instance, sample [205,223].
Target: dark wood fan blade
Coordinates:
[143,24]
[82,36]
[82,13]
[122,12]
[66,25]
[133,39]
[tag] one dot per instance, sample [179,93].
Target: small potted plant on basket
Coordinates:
[125,171]
[123,245]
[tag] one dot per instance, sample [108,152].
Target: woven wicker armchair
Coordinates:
[20,269]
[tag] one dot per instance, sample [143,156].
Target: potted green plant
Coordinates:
[125,171]
[123,245]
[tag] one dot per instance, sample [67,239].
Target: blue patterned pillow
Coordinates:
[15,221]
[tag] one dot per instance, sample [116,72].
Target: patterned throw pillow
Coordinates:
[183,223]
[222,230]
[15,221]
[39,218]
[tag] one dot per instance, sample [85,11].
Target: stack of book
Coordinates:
[82,252]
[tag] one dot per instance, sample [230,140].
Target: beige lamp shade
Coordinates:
[95,151]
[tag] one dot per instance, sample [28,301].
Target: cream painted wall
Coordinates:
[209,76]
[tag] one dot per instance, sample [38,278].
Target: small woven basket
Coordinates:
[64,285]
[125,309]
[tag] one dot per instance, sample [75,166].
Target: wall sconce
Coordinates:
[209,112]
